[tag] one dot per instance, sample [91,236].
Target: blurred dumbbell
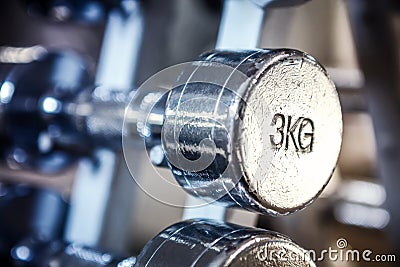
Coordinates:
[73,255]
[31,217]
[32,227]
[34,253]
[88,11]
[31,117]
[210,243]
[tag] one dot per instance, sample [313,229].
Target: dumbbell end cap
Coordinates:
[290,133]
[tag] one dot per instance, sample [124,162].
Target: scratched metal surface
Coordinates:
[208,243]
[289,162]
[277,138]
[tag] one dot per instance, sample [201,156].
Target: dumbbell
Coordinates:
[267,142]
[32,120]
[209,243]
[259,129]
[36,253]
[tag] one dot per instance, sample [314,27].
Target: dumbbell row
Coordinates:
[265,143]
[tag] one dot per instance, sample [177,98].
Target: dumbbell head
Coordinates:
[209,243]
[268,143]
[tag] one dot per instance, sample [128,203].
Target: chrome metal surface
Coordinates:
[32,96]
[276,140]
[72,255]
[231,26]
[209,243]
[99,114]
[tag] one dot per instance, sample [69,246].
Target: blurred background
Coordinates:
[45,44]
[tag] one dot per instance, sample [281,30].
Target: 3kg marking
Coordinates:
[299,132]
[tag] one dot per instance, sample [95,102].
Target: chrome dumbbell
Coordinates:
[209,243]
[275,136]
[256,129]
[32,117]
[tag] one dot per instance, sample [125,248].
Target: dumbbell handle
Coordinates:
[102,117]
